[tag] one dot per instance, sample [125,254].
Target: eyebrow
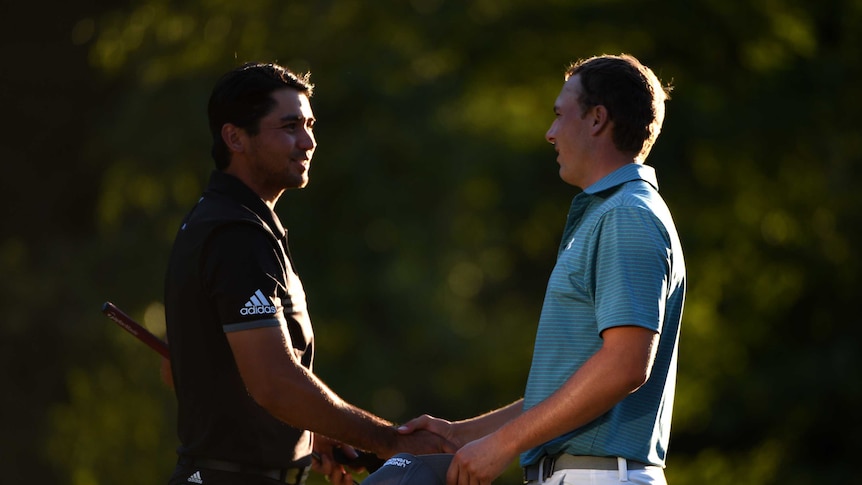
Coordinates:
[294,118]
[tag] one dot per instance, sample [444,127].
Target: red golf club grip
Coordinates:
[135,329]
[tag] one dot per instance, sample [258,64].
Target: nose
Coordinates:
[551,136]
[307,140]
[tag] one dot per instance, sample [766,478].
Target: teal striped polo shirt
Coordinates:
[620,263]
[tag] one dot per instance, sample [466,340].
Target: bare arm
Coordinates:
[296,396]
[619,368]
[465,431]
[475,428]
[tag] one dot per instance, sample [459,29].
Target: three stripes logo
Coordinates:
[258,304]
[195,478]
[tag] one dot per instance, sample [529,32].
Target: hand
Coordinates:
[324,461]
[435,425]
[422,442]
[479,462]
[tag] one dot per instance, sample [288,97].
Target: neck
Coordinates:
[267,194]
[607,162]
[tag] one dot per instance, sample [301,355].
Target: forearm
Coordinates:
[474,428]
[614,372]
[567,409]
[294,395]
[301,399]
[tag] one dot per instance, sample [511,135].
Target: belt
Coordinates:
[550,464]
[295,475]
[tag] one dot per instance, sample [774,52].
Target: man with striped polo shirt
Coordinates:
[597,407]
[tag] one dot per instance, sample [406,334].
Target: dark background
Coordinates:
[431,223]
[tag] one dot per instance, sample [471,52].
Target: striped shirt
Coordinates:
[619,263]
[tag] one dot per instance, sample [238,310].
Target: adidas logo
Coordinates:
[258,304]
[195,478]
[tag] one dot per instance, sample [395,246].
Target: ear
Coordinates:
[234,137]
[600,119]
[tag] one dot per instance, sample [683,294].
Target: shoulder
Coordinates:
[637,198]
[633,210]
[218,213]
[634,193]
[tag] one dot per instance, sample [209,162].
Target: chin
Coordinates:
[295,181]
[567,179]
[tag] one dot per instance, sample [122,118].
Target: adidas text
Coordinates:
[257,310]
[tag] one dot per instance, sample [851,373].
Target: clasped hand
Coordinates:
[476,462]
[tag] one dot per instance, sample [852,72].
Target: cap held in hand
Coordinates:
[407,469]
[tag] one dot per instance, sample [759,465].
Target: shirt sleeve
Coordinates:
[243,273]
[632,268]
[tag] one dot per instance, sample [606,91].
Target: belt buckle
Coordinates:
[549,462]
[544,469]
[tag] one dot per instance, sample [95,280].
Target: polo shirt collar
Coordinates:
[233,187]
[626,173]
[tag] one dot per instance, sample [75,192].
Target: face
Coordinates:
[569,133]
[280,153]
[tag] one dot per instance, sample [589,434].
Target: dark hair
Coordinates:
[243,96]
[630,92]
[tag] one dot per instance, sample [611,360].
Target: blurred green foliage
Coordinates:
[434,213]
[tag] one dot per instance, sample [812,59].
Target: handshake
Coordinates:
[421,436]
[429,450]
[427,434]
[421,453]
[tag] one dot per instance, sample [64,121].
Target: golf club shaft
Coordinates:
[136,329]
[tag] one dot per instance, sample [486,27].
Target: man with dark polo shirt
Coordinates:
[250,409]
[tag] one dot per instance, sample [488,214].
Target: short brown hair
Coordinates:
[632,94]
